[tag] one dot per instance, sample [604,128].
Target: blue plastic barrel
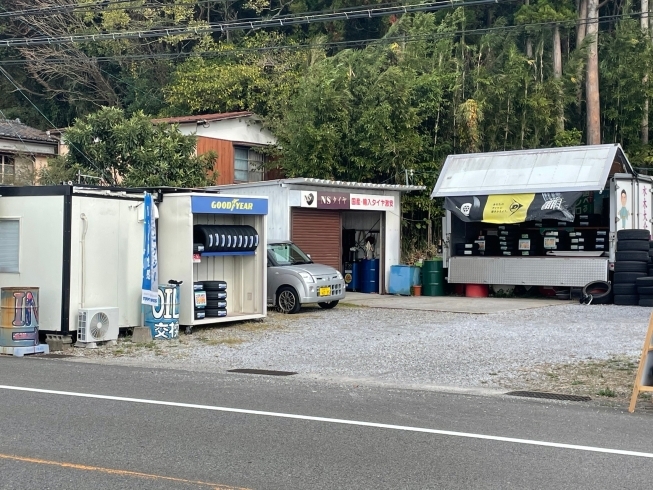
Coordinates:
[355,276]
[370,276]
[163,319]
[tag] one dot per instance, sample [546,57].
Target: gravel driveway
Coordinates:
[404,347]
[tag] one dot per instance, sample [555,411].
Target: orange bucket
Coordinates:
[477,290]
[417,290]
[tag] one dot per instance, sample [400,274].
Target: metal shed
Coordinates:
[321,215]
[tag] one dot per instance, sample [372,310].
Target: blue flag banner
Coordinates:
[150,288]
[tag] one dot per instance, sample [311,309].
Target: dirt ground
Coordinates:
[607,381]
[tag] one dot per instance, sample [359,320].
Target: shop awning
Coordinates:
[576,168]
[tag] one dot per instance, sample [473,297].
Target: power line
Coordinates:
[239,25]
[101,6]
[327,45]
[8,77]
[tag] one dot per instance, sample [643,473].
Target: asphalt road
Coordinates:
[260,432]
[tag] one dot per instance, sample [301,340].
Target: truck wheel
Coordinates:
[623,289]
[633,235]
[600,291]
[632,256]
[625,245]
[327,305]
[626,299]
[288,300]
[630,266]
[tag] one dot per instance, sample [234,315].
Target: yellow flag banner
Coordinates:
[514,208]
[507,208]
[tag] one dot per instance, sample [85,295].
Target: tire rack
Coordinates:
[245,271]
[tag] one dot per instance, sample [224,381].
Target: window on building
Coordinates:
[9,244]
[7,169]
[248,165]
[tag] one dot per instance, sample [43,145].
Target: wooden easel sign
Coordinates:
[644,379]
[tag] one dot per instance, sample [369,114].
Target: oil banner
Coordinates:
[514,208]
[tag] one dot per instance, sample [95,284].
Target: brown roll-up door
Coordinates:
[318,233]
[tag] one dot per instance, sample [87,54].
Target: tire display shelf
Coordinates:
[181,217]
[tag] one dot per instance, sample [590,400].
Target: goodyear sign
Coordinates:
[514,208]
[228,205]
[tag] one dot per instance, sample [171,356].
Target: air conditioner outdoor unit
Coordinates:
[97,325]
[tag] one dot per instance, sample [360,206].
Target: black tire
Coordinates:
[621,289]
[648,302]
[288,300]
[247,236]
[215,295]
[600,291]
[251,231]
[624,245]
[644,290]
[214,286]
[626,299]
[240,238]
[202,234]
[645,296]
[633,235]
[643,282]
[631,266]
[627,277]
[327,305]
[215,312]
[213,304]
[633,255]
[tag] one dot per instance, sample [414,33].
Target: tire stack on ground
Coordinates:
[216,299]
[199,300]
[631,263]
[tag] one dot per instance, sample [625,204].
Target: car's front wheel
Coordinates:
[288,300]
[327,305]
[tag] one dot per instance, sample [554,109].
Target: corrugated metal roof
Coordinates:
[329,183]
[575,168]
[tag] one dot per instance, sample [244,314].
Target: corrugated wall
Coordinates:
[224,165]
[318,233]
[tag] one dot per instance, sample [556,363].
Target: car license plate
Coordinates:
[324,291]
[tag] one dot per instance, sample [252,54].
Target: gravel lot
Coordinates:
[405,347]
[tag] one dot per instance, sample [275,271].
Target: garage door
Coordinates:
[318,233]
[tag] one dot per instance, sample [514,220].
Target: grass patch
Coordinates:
[229,341]
[606,392]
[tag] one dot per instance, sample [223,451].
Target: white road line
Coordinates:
[336,421]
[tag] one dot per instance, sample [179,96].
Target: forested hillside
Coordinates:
[354,90]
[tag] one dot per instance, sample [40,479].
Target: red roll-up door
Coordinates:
[318,233]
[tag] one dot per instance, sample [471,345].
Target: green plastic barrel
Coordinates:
[432,278]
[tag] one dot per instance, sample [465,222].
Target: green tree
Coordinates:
[129,152]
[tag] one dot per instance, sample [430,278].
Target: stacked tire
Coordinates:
[631,264]
[199,301]
[224,238]
[216,299]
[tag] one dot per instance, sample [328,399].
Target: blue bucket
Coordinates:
[163,319]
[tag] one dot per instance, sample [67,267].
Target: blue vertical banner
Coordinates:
[150,288]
